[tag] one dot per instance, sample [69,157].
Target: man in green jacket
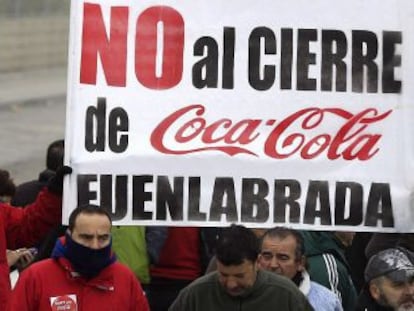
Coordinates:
[238,284]
[325,253]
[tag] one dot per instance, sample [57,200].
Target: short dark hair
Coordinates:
[89,209]
[55,153]
[282,233]
[7,186]
[236,244]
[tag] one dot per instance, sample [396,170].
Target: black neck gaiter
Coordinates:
[86,261]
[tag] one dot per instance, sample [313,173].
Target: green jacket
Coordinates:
[270,292]
[128,243]
[328,266]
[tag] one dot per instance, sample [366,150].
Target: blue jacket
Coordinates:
[321,298]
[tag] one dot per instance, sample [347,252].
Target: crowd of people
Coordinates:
[92,265]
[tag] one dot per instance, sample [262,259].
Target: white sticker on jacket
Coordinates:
[64,303]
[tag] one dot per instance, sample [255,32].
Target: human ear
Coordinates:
[374,291]
[301,263]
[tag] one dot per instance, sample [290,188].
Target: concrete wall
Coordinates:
[33,42]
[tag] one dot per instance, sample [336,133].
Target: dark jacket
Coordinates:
[356,259]
[328,266]
[27,192]
[367,303]
[269,292]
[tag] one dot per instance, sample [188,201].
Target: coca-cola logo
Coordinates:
[64,303]
[294,135]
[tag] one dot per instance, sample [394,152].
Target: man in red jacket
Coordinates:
[24,227]
[82,274]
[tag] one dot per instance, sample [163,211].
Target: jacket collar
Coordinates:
[260,281]
[305,285]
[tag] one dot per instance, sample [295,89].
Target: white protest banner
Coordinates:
[206,113]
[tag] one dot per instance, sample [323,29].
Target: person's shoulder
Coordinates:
[281,289]
[30,185]
[42,268]
[117,274]
[204,282]
[366,302]
[26,192]
[321,293]
[271,279]
[44,264]
[120,270]
[322,289]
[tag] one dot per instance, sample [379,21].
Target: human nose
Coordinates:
[274,263]
[231,283]
[95,244]
[409,289]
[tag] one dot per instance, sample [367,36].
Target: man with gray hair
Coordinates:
[283,252]
[389,277]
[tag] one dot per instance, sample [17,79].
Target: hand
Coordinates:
[25,259]
[20,258]
[12,257]
[55,183]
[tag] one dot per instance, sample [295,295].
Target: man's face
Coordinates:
[278,256]
[92,230]
[399,296]
[236,279]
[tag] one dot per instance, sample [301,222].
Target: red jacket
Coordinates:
[180,255]
[52,283]
[24,227]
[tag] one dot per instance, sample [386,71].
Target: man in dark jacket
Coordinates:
[238,284]
[27,192]
[389,279]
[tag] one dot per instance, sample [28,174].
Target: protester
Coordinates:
[178,256]
[26,193]
[128,243]
[212,265]
[355,257]
[179,263]
[21,257]
[7,187]
[381,241]
[370,244]
[389,279]
[238,284]
[131,248]
[82,274]
[283,252]
[24,227]
[325,253]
